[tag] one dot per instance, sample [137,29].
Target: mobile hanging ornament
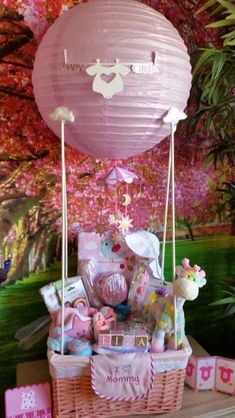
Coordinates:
[115,178]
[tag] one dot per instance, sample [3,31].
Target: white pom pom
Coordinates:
[62,113]
[174,116]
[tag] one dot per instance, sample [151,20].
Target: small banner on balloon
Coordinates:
[136,67]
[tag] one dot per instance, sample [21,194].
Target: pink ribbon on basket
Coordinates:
[122,377]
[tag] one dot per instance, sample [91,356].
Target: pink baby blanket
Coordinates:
[122,377]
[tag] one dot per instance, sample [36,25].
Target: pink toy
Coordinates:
[132,121]
[194,273]
[103,320]
[185,287]
[77,323]
[109,315]
[138,287]
[80,348]
[112,289]
[28,401]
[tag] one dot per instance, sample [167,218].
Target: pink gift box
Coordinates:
[89,248]
[200,373]
[213,373]
[225,375]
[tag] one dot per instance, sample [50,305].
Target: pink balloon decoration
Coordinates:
[130,122]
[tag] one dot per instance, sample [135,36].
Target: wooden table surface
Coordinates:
[203,404]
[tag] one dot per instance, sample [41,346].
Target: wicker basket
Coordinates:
[74,397]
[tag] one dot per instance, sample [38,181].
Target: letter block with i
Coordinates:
[117,340]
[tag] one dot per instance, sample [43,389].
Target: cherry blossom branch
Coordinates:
[12,196]
[12,92]
[10,15]
[22,158]
[11,46]
[10,180]
[18,64]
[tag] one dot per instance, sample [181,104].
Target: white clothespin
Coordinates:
[65,56]
[155,55]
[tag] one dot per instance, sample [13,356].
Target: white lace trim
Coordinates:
[167,365]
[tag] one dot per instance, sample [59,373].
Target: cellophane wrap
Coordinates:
[89,274]
[112,288]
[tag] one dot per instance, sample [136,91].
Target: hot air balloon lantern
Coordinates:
[141,55]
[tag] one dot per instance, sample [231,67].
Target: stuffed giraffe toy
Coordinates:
[185,287]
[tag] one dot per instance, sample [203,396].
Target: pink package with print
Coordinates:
[138,288]
[89,275]
[73,291]
[50,297]
[28,401]
[50,294]
[117,259]
[89,248]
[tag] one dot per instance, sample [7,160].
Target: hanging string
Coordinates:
[166,214]
[173,117]
[116,200]
[63,114]
[172,148]
[64,235]
[153,61]
[127,192]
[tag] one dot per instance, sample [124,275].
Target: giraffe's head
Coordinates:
[189,280]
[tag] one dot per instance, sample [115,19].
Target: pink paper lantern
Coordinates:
[131,121]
